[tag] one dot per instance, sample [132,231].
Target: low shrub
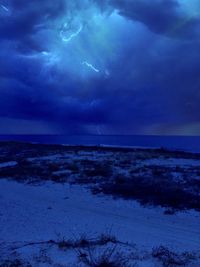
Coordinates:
[65,244]
[169,211]
[169,258]
[74,167]
[108,258]
[101,170]
[148,190]
[14,263]
[53,167]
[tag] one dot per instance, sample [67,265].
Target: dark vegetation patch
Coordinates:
[168,258]
[84,241]
[12,149]
[147,190]
[106,250]
[110,257]
[81,242]
[23,173]
[72,166]
[53,167]
[102,250]
[170,211]
[115,171]
[99,169]
[14,263]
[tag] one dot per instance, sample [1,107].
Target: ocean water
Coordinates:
[186,143]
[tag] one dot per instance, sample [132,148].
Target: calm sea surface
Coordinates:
[186,143]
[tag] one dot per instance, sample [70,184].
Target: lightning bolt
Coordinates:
[5,8]
[98,129]
[90,66]
[73,35]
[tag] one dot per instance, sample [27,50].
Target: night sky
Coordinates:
[100,67]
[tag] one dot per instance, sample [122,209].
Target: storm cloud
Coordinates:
[160,16]
[124,67]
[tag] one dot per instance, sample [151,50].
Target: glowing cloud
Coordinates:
[101,66]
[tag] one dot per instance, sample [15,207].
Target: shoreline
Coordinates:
[182,143]
[105,147]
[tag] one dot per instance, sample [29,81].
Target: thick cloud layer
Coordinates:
[91,66]
[160,16]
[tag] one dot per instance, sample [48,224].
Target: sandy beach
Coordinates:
[71,205]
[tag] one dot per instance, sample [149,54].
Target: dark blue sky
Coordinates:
[100,66]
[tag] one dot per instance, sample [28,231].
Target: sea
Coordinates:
[183,143]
